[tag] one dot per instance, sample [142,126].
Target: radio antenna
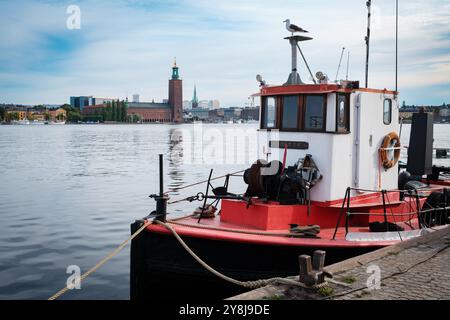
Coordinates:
[368,3]
[348,62]
[339,66]
[396,46]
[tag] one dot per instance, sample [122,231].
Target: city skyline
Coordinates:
[126,47]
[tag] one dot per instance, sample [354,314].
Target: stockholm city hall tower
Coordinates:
[176,94]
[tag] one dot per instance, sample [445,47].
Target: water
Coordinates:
[69,193]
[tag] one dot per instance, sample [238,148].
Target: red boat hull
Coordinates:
[162,269]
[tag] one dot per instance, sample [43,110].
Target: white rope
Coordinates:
[103,261]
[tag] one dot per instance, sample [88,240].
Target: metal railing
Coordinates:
[424,217]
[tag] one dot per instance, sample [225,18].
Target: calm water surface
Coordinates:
[69,193]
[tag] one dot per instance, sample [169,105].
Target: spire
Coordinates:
[194,98]
[175,75]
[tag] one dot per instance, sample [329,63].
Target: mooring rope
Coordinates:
[103,261]
[246,284]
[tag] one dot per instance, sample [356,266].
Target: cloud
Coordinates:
[127,47]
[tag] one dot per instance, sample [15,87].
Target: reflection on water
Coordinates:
[69,193]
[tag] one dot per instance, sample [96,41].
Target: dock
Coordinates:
[415,269]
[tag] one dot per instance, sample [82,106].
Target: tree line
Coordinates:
[115,111]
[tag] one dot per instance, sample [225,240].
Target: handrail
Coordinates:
[409,191]
[419,212]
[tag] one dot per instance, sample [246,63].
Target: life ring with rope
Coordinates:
[390,150]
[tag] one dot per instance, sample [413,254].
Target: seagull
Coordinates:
[292,27]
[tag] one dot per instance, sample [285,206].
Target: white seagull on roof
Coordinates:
[292,27]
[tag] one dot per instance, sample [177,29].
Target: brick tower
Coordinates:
[176,95]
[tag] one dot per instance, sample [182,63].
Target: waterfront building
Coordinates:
[37,114]
[151,111]
[93,110]
[170,110]
[85,101]
[250,114]
[58,114]
[22,115]
[203,104]
[81,102]
[199,114]
[214,104]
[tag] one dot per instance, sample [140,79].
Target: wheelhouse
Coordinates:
[341,125]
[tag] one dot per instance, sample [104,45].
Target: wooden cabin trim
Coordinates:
[324,113]
[317,89]
[301,112]
[385,91]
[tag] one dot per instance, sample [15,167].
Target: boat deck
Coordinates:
[214,229]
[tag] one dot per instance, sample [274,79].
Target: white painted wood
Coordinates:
[344,159]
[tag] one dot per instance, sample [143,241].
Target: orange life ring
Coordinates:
[389,157]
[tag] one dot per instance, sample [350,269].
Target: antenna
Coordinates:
[348,62]
[396,46]
[339,66]
[368,3]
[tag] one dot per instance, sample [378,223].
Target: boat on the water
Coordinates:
[20,122]
[328,178]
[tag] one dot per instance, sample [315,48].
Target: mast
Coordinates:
[348,62]
[368,3]
[294,77]
[396,46]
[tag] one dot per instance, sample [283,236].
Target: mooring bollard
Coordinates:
[312,273]
[161,198]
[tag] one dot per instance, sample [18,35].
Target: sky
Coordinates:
[126,47]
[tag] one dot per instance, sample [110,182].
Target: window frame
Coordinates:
[299,111]
[324,113]
[263,123]
[346,113]
[302,99]
[390,111]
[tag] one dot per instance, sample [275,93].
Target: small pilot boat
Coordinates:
[328,178]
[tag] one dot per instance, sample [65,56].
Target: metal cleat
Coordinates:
[312,273]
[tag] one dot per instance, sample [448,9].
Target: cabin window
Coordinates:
[269,113]
[290,113]
[342,113]
[387,111]
[314,113]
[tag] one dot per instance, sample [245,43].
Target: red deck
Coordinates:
[214,229]
[268,223]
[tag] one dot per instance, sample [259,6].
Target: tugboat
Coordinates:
[332,181]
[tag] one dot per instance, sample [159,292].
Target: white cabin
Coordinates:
[341,126]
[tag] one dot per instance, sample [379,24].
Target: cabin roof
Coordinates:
[315,89]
